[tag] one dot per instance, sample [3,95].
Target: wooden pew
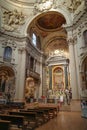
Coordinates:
[15,120]
[5,125]
[46,113]
[52,111]
[29,116]
[16,105]
[40,115]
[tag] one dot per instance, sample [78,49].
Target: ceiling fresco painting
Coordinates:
[51,20]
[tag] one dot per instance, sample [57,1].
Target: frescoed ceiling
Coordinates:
[47,24]
[51,20]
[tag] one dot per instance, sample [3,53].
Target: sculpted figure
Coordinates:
[29,88]
[12,19]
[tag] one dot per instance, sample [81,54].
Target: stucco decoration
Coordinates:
[44,5]
[29,88]
[72,5]
[12,19]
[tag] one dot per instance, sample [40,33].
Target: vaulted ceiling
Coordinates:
[48,24]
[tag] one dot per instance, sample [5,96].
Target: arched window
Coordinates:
[38,43]
[34,39]
[31,63]
[85,37]
[7,53]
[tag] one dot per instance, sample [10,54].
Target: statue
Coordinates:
[29,88]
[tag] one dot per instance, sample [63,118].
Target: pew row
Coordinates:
[30,118]
[14,120]
[5,125]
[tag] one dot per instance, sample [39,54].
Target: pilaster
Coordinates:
[21,73]
[73,72]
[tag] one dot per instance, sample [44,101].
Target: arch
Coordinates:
[57,78]
[62,11]
[7,70]
[84,73]
[82,61]
[53,37]
[7,80]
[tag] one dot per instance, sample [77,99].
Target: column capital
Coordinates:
[75,39]
[22,49]
[70,41]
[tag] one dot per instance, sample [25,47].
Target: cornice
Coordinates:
[20,3]
[12,36]
[32,48]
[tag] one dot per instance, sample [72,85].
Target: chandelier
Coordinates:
[44,5]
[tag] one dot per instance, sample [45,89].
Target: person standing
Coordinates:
[67,96]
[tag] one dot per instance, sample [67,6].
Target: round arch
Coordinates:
[82,61]
[7,81]
[62,11]
[57,77]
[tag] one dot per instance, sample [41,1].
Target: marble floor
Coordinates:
[69,118]
[74,106]
[66,121]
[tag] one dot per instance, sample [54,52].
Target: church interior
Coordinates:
[43,64]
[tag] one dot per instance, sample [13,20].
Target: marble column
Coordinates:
[20,85]
[50,77]
[66,77]
[73,74]
[28,65]
[41,76]
[76,41]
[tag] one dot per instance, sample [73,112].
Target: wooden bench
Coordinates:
[5,125]
[51,110]
[46,113]
[29,116]
[16,105]
[15,120]
[40,115]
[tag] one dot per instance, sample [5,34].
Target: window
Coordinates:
[38,43]
[34,39]
[85,37]
[31,63]
[7,54]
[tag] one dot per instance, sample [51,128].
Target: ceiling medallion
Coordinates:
[44,5]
